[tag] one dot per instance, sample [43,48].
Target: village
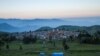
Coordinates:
[53,34]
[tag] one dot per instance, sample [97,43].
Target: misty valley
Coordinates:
[46,36]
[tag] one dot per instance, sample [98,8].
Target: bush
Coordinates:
[1,43]
[27,40]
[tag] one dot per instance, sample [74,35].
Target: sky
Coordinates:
[49,8]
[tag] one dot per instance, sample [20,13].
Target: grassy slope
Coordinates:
[34,49]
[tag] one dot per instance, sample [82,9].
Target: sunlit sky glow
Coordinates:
[48,8]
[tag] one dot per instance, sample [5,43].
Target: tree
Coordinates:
[12,38]
[96,36]
[71,38]
[4,36]
[7,46]
[34,39]
[1,43]
[20,47]
[26,40]
[65,46]
[29,39]
[84,37]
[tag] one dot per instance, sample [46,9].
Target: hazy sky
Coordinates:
[48,8]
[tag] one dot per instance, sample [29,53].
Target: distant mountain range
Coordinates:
[19,25]
[72,28]
[7,28]
[27,25]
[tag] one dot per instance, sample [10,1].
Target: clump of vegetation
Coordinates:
[20,47]
[29,39]
[85,37]
[7,47]
[1,43]
[65,46]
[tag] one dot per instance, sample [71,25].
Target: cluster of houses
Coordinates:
[52,34]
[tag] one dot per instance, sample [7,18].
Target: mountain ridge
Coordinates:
[34,24]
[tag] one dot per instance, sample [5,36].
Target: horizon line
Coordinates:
[47,18]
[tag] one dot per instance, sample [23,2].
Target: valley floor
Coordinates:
[75,49]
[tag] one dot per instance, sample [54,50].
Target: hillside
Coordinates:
[7,28]
[72,28]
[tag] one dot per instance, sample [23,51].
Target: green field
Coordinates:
[75,49]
